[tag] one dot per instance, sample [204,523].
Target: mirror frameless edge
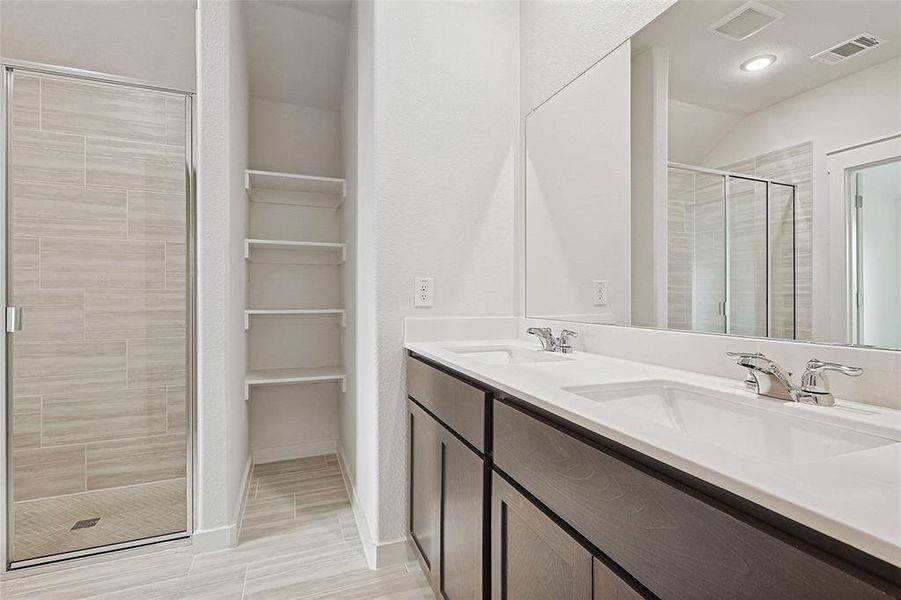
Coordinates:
[707,203]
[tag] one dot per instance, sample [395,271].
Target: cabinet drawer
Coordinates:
[677,543]
[459,405]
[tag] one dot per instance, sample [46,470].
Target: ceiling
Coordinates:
[704,67]
[296,51]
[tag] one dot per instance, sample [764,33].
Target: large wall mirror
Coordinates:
[734,168]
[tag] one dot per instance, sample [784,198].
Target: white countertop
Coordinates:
[853,497]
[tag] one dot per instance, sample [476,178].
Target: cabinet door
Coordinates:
[425,490]
[462,520]
[532,558]
[609,586]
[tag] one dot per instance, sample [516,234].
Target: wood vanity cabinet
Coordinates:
[448,474]
[535,559]
[512,503]
[676,542]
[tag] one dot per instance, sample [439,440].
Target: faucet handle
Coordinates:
[566,334]
[815,386]
[814,377]
[744,354]
[815,365]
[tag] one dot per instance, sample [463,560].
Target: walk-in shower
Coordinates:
[731,253]
[99,273]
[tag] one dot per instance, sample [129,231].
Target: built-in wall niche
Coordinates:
[295,312]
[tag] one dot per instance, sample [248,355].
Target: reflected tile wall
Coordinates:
[793,165]
[696,247]
[98,222]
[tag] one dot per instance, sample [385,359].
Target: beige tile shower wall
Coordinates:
[98,225]
[680,248]
[792,165]
[710,250]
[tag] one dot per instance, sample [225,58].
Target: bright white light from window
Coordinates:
[758,63]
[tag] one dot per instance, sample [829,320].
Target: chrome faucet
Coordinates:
[767,378]
[815,386]
[549,343]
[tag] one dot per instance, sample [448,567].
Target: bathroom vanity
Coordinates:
[539,475]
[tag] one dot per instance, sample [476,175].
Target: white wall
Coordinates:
[361,411]
[695,130]
[221,154]
[295,139]
[238,123]
[151,40]
[577,195]
[859,108]
[350,106]
[648,143]
[436,200]
[560,40]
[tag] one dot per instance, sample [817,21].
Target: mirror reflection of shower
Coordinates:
[731,252]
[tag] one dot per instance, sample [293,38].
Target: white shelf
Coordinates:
[287,376]
[250,243]
[293,182]
[293,311]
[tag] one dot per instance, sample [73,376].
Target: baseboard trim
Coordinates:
[378,555]
[238,517]
[267,455]
[211,540]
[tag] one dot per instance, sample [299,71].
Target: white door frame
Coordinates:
[842,254]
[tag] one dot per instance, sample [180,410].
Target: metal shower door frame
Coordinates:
[9,68]
[727,177]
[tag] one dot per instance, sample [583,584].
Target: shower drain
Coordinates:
[85,523]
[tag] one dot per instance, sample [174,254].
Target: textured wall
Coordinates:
[212,278]
[144,39]
[560,40]
[238,105]
[221,435]
[445,124]
[295,139]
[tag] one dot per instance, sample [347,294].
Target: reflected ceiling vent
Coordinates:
[845,50]
[745,21]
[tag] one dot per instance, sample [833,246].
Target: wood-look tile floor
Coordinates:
[298,540]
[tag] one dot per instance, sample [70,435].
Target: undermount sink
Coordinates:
[706,416]
[507,355]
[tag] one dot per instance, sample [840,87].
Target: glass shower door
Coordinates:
[98,372]
[782,266]
[746,255]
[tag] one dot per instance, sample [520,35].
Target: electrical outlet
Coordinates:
[599,292]
[423,290]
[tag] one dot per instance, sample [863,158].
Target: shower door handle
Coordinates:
[13,319]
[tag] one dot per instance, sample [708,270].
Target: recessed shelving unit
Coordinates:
[250,244]
[285,208]
[290,376]
[293,311]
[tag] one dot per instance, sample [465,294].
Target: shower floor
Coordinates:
[298,540]
[45,527]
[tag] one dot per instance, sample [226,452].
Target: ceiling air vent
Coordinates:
[847,49]
[745,21]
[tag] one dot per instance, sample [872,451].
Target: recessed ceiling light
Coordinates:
[758,63]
